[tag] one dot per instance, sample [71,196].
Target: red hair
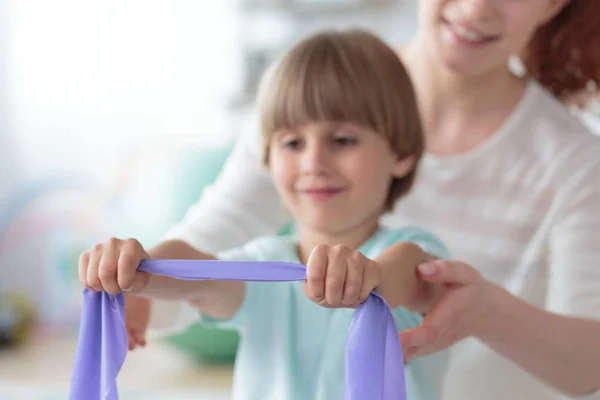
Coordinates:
[564,54]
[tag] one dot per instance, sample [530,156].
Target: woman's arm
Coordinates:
[559,345]
[563,346]
[562,351]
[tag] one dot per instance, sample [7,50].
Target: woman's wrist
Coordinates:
[498,306]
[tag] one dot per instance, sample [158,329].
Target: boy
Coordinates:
[342,139]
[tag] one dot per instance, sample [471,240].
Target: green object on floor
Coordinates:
[207,344]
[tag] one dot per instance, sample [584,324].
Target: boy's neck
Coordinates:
[352,238]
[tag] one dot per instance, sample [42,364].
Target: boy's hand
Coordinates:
[338,276]
[112,267]
[137,318]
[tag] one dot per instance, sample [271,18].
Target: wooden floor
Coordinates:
[45,366]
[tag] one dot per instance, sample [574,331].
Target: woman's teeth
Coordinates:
[467,34]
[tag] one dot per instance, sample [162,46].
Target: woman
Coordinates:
[510,182]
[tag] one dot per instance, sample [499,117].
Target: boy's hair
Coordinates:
[344,76]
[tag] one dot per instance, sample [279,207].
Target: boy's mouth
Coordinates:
[322,193]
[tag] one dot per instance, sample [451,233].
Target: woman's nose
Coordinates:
[476,10]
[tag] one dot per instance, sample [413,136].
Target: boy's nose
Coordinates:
[314,159]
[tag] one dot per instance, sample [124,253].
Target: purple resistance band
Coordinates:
[374,366]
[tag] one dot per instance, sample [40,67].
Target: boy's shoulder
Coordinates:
[428,241]
[264,248]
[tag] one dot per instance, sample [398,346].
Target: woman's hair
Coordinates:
[564,54]
[348,77]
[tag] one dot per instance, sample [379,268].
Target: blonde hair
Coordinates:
[344,76]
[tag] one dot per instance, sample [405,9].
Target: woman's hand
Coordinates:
[461,311]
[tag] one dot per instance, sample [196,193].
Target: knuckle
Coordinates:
[356,256]
[132,244]
[312,275]
[318,255]
[334,283]
[94,282]
[316,269]
[98,248]
[371,270]
[127,261]
[105,273]
[113,242]
[84,258]
[320,248]
[339,250]
[353,288]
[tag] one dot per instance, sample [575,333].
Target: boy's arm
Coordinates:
[217,299]
[400,285]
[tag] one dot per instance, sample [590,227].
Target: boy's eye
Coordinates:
[345,141]
[292,144]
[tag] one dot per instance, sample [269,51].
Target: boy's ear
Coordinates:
[403,166]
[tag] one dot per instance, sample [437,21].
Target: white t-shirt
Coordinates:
[523,208]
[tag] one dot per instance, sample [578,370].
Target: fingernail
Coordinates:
[427,269]
[318,298]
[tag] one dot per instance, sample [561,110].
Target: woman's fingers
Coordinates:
[449,272]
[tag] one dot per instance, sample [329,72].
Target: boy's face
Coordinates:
[334,177]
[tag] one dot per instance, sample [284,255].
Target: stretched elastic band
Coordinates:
[374,366]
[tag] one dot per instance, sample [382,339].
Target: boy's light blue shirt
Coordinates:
[293,349]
